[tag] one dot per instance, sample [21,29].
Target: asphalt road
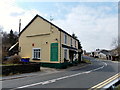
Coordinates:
[78,77]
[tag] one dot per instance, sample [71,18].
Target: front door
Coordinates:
[54,52]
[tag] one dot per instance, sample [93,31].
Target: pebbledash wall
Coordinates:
[44,42]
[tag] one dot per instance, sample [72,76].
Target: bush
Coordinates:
[14,60]
[18,69]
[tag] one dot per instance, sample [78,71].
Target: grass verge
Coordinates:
[118,87]
[10,64]
[86,61]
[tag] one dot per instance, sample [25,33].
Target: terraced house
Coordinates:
[45,42]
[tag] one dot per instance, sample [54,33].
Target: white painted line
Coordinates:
[28,85]
[105,63]
[54,80]
[47,82]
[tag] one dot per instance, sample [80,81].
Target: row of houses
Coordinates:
[42,41]
[105,54]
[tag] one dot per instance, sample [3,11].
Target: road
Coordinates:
[78,77]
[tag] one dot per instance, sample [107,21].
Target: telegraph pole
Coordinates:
[19,35]
[19,26]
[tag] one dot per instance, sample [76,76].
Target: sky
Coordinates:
[95,23]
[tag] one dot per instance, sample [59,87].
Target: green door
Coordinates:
[54,52]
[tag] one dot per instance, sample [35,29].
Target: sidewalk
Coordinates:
[43,71]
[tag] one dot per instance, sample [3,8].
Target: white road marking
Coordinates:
[47,82]
[105,63]
[54,80]
[28,85]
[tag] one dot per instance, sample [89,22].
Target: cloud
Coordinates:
[10,14]
[68,0]
[95,27]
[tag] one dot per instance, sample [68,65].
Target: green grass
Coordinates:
[118,87]
[9,64]
[86,61]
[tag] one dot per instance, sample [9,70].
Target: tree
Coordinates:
[1,43]
[80,52]
[12,38]
[115,43]
[9,39]
[79,45]
[116,46]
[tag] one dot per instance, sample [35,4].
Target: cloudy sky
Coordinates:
[95,23]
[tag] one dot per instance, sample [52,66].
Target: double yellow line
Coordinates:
[106,82]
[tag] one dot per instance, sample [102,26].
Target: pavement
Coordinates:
[43,70]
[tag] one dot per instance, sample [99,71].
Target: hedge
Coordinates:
[26,68]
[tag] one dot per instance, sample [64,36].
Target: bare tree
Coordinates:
[115,43]
[116,47]
[1,44]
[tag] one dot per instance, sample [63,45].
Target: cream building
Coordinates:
[44,42]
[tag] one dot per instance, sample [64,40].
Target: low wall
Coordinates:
[26,68]
[59,65]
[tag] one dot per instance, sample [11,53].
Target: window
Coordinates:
[75,43]
[65,39]
[36,53]
[75,57]
[71,41]
[65,53]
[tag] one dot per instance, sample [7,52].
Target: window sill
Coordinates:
[35,59]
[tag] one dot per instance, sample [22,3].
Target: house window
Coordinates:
[36,53]
[71,41]
[65,54]
[75,57]
[75,43]
[65,39]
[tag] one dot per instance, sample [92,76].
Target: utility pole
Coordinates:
[19,26]
[19,35]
